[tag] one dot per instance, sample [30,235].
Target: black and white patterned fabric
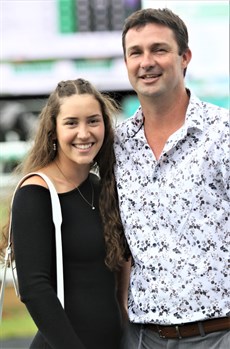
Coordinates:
[176,215]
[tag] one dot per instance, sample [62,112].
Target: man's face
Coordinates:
[153,62]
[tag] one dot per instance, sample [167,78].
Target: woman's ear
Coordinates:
[54,144]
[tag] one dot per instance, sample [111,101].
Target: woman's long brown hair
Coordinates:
[42,153]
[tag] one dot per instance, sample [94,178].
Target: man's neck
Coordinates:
[161,120]
[165,112]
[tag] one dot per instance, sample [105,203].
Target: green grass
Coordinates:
[16,321]
[19,325]
[4,208]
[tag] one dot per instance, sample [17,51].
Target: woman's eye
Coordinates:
[93,121]
[71,123]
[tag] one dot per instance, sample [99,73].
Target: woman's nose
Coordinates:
[83,131]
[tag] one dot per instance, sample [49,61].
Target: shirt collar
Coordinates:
[195,113]
[193,118]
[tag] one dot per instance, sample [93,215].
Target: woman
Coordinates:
[74,135]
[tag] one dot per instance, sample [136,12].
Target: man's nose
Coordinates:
[147,61]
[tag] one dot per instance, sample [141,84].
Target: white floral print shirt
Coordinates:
[176,216]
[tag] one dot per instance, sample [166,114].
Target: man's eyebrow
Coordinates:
[155,44]
[135,47]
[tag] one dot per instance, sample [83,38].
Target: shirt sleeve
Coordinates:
[34,248]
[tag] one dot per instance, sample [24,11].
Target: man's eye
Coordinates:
[161,50]
[134,53]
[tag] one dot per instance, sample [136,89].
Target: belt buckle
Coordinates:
[160,332]
[178,332]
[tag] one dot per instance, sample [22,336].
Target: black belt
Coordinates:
[191,329]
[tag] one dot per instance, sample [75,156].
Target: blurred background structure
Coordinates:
[43,42]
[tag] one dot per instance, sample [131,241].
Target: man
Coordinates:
[173,178]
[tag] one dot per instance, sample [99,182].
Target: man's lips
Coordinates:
[150,76]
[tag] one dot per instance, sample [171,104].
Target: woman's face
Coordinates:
[80,129]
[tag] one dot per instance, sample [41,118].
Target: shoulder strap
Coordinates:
[57,219]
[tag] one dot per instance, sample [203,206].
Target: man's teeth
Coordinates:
[150,76]
[83,146]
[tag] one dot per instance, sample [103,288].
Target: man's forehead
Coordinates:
[152,32]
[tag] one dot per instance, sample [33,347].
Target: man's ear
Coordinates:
[186,58]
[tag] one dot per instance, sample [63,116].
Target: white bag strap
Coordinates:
[57,219]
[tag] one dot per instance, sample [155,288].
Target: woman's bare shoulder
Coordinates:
[35,180]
